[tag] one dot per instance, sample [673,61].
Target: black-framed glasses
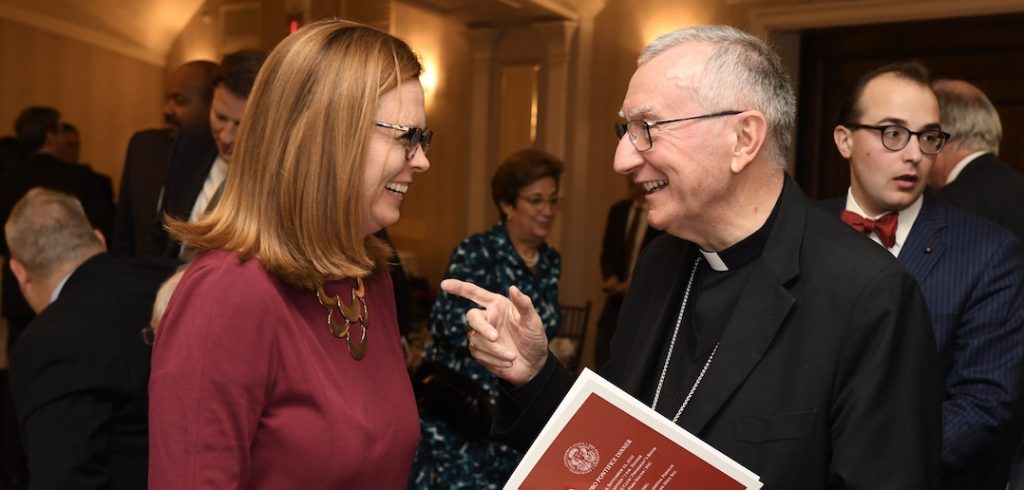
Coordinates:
[640,131]
[895,137]
[537,201]
[412,136]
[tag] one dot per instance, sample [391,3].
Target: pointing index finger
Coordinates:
[470,291]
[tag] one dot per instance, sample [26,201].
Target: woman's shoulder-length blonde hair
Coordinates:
[294,191]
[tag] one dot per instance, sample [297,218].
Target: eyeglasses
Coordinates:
[640,131]
[537,201]
[413,137]
[895,137]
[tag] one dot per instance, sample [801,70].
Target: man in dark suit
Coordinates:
[970,271]
[189,91]
[37,129]
[200,158]
[69,143]
[968,172]
[625,234]
[80,371]
[758,323]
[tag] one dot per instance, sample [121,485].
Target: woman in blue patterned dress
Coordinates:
[513,252]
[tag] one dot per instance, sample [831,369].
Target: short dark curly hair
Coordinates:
[519,170]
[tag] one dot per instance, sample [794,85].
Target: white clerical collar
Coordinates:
[953,174]
[716,262]
[904,221]
[60,287]
[745,251]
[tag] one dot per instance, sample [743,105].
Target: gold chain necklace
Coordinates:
[354,312]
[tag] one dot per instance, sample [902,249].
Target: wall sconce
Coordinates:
[429,78]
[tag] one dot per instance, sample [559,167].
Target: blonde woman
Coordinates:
[278,363]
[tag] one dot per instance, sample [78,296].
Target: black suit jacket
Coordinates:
[143,177]
[825,376]
[41,170]
[614,246]
[992,189]
[193,154]
[79,376]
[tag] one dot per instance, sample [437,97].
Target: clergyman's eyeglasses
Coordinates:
[640,131]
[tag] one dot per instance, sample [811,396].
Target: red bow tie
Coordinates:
[884,227]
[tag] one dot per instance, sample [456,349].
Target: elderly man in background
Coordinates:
[968,172]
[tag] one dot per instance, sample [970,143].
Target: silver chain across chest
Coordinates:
[671,349]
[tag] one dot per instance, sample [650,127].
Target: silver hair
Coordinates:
[49,228]
[742,73]
[968,116]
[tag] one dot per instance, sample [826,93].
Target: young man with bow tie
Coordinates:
[969,270]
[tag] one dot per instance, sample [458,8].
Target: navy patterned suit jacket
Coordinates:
[971,273]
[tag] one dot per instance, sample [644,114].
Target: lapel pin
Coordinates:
[928,250]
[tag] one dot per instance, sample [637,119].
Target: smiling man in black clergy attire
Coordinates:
[801,350]
[79,373]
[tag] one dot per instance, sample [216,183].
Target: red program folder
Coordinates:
[601,438]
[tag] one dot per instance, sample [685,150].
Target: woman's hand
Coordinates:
[505,334]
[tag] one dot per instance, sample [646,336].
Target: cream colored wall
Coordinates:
[108,96]
[433,215]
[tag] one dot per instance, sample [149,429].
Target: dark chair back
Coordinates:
[568,343]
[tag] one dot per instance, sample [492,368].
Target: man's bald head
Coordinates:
[189,92]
